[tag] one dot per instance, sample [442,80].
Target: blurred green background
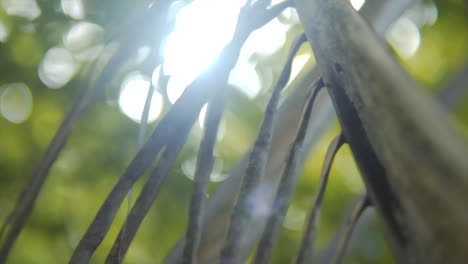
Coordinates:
[46,49]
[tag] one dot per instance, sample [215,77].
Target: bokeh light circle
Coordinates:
[16,102]
[57,67]
[133,95]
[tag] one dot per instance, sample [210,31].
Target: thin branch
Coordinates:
[246,204]
[142,130]
[147,196]
[181,114]
[360,205]
[274,11]
[25,203]
[16,219]
[219,206]
[202,175]
[307,245]
[287,185]
[256,15]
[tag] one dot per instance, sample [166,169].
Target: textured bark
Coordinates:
[413,162]
[376,12]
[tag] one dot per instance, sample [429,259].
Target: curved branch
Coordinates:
[181,116]
[412,161]
[287,185]
[306,249]
[351,220]
[249,194]
[202,175]
[382,13]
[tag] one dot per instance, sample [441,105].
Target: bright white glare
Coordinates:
[245,78]
[15,102]
[202,29]
[297,64]
[264,41]
[175,87]
[201,117]
[81,36]
[404,36]
[4,32]
[267,39]
[73,8]
[57,67]
[201,123]
[22,8]
[155,76]
[357,4]
[133,95]
[189,166]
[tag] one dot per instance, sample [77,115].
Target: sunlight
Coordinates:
[222,124]
[202,115]
[175,87]
[202,29]
[245,78]
[298,63]
[357,4]
[133,97]
[262,42]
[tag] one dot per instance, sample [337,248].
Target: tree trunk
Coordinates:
[413,162]
[380,14]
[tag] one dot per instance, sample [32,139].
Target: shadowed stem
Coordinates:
[182,114]
[245,206]
[380,14]
[204,165]
[146,198]
[202,175]
[143,126]
[25,203]
[360,205]
[287,185]
[90,93]
[307,245]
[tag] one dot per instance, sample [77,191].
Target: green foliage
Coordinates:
[103,143]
